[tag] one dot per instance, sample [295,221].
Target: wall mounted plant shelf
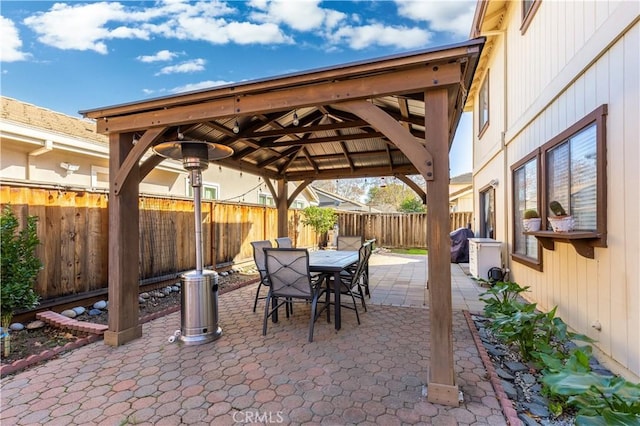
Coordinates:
[583,241]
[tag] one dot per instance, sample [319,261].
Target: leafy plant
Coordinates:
[20,266]
[557,208]
[521,328]
[530,214]
[600,400]
[501,298]
[320,219]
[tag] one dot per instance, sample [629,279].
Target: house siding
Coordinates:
[574,57]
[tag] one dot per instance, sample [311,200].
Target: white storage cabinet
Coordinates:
[484,254]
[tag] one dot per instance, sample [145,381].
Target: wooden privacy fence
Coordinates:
[73,230]
[395,230]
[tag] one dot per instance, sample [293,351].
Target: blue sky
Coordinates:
[82,55]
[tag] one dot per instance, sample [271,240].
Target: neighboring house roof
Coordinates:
[331,199]
[39,118]
[461,179]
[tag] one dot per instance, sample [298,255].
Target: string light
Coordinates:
[295,119]
[236,127]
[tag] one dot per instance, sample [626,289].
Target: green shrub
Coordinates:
[20,266]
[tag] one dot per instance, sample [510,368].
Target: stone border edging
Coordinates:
[507,406]
[48,354]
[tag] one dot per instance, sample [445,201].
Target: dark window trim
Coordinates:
[482,128]
[516,257]
[481,191]
[526,19]
[597,116]
[583,242]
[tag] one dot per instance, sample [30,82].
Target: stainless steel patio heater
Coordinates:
[199,311]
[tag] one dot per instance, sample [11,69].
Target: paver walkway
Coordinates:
[372,373]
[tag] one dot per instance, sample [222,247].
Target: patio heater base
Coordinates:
[199,312]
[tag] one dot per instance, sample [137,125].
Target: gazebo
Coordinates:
[393,116]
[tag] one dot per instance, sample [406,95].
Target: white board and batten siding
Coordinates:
[574,57]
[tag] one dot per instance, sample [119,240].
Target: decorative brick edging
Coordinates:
[47,355]
[507,407]
[87,327]
[60,321]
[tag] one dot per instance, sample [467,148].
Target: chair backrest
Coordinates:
[288,270]
[361,265]
[258,256]
[284,242]
[347,242]
[368,245]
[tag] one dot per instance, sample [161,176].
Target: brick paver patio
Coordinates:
[373,373]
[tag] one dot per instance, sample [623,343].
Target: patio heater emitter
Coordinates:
[199,311]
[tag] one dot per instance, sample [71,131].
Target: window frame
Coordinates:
[481,192]
[581,240]
[597,116]
[215,186]
[527,15]
[267,196]
[517,257]
[483,92]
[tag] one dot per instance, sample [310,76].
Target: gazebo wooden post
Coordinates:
[283,208]
[442,388]
[123,246]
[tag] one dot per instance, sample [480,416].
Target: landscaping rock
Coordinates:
[95,312]
[516,367]
[509,389]
[16,326]
[100,304]
[79,310]
[69,313]
[33,325]
[537,409]
[504,375]
[145,295]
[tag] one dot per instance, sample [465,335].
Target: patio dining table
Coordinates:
[333,262]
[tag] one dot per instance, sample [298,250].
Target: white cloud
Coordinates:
[453,16]
[378,34]
[90,26]
[185,67]
[197,86]
[81,27]
[248,33]
[161,55]
[299,15]
[10,48]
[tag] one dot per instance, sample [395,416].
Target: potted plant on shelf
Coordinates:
[561,221]
[531,220]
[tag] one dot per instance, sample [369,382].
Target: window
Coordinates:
[297,204]
[99,177]
[575,164]
[487,213]
[210,191]
[483,105]
[529,8]
[525,197]
[573,172]
[265,199]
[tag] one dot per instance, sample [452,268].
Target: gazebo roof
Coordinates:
[327,141]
